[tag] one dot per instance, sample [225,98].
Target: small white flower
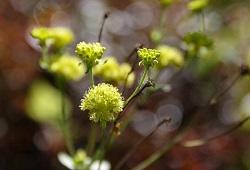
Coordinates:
[66,160]
[105,165]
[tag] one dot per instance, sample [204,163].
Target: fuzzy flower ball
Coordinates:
[149,57]
[104,103]
[90,53]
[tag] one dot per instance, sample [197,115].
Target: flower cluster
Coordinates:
[113,72]
[104,103]
[197,5]
[57,37]
[149,57]
[166,2]
[197,43]
[67,67]
[170,56]
[89,53]
[81,161]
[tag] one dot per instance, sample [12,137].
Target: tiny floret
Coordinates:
[89,53]
[67,67]
[104,103]
[149,57]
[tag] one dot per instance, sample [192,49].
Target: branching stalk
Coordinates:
[138,87]
[135,147]
[65,121]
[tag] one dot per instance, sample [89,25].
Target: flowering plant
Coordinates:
[113,87]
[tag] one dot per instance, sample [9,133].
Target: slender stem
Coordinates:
[131,71]
[138,87]
[135,147]
[100,152]
[102,26]
[91,77]
[203,22]
[200,142]
[137,46]
[158,154]
[91,141]
[215,97]
[65,122]
[92,136]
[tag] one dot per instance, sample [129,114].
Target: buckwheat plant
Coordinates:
[105,103]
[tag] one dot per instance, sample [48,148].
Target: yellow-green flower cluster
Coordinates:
[57,37]
[113,72]
[149,57]
[67,67]
[104,103]
[169,56]
[89,53]
[197,5]
[166,2]
[197,43]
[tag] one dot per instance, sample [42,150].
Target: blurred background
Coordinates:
[30,101]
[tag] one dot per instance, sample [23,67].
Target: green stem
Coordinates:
[138,87]
[203,23]
[92,136]
[91,141]
[158,154]
[65,122]
[91,76]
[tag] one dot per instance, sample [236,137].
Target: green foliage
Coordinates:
[103,102]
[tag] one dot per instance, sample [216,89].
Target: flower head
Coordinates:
[166,2]
[197,5]
[90,53]
[149,57]
[170,56]
[197,42]
[61,36]
[113,72]
[57,37]
[104,102]
[41,34]
[68,67]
